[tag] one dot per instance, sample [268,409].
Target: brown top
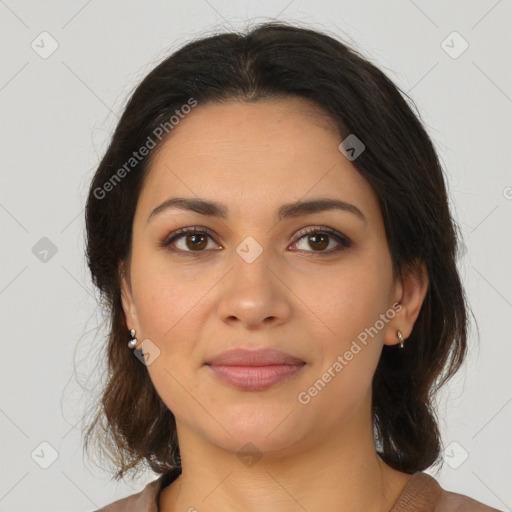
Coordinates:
[421,494]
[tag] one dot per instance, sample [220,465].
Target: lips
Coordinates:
[260,357]
[254,370]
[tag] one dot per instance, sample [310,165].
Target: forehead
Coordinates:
[246,154]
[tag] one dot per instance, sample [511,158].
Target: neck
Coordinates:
[342,472]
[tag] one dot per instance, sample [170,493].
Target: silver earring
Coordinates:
[399,334]
[133,342]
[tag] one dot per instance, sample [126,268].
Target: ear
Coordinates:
[130,311]
[410,293]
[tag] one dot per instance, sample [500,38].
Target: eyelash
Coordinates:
[344,242]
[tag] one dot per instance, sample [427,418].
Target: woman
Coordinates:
[270,231]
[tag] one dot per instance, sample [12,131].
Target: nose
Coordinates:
[254,295]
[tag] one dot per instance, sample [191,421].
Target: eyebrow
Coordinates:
[286,211]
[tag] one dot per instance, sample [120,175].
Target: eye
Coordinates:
[318,239]
[193,240]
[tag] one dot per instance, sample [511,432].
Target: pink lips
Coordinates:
[254,370]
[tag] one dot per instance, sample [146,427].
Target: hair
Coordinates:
[273,61]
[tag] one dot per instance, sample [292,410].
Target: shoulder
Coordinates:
[454,502]
[424,494]
[143,501]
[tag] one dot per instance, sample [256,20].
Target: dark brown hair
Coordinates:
[272,61]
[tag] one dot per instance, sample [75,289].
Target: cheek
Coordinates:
[171,308]
[165,297]
[350,299]
[351,304]
[166,306]
[349,357]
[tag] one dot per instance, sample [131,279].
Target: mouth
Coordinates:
[254,370]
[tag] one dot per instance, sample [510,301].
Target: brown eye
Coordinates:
[189,240]
[318,239]
[194,242]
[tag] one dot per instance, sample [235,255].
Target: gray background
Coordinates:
[57,114]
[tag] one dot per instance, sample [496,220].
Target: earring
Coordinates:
[133,342]
[399,334]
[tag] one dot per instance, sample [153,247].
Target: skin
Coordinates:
[253,158]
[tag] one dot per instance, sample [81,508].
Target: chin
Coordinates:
[255,444]
[260,429]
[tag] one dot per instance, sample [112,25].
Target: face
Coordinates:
[308,284]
